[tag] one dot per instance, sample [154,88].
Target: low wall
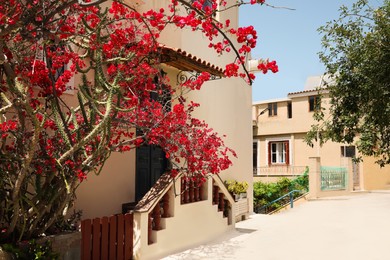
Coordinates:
[315,181]
[67,245]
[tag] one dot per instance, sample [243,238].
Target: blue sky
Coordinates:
[290,38]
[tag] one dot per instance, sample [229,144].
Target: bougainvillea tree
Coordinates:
[108,55]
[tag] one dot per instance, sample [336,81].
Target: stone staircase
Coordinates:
[199,213]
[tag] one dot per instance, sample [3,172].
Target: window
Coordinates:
[314,103]
[272,109]
[289,109]
[161,93]
[206,4]
[278,152]
[255,158]
[348,151]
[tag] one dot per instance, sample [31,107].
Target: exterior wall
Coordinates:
[112,187]
[300,152]
[281,127]
[375,178]
[301,119]
[225,106]
[103,195]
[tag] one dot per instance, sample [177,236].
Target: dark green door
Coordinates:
[150,165]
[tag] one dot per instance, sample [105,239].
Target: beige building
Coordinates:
[130,177]
[279,149]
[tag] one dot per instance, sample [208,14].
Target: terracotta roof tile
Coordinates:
[185,61]
[306,91]
[301,92]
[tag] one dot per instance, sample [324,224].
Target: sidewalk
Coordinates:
[354,227]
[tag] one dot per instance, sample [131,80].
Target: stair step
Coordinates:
[163,224]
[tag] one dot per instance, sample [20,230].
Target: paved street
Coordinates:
[354,227]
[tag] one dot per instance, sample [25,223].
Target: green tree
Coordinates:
[356,55]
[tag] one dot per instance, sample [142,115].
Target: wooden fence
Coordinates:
[107,238]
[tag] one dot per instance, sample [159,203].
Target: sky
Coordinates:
[291,38]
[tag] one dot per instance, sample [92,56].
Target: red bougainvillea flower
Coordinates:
[80,81]
[268,65]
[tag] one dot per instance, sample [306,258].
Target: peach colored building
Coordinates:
[279,149]
[131,177]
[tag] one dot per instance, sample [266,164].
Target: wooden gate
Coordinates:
[107,238]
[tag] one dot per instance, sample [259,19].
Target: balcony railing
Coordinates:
[279,171]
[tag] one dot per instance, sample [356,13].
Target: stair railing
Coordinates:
[291,202]
[156,204]
[223,198]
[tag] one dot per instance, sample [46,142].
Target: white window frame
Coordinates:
[279,154]
[279,139]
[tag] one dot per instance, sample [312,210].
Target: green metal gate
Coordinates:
[333,178]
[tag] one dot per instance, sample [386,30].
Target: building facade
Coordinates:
[225,104]
[279,147]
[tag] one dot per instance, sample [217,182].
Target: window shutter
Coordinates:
[287,152]
[269,153]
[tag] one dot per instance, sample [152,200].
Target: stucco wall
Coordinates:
[114,185]
[225,106]
[103,195]
[294,129]
[301,120]
[375,178]
[300,151]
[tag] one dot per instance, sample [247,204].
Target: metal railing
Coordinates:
[333,178]
[285,199]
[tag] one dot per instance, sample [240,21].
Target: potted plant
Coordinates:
[241,188]
[237,189]
[231,187]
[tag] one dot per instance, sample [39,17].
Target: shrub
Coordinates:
[31,250]
[265,193]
